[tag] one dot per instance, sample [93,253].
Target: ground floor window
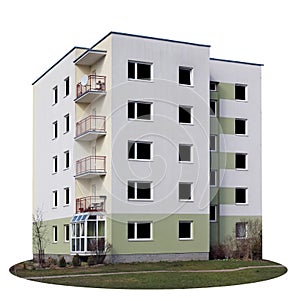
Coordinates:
[67,233]
[241,230]
[139,230]
[54,230]
[185,230]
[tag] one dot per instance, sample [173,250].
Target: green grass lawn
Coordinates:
[173,277]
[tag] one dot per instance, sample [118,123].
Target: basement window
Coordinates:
[185,114]
[185,230]
[139,230]
[139,70]
[186,76]
[241,161]
[241,195]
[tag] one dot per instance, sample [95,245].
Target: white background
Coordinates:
[35,34]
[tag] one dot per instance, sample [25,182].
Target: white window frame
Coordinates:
[67,123]
[54,164]
[215,172]
[54,198]
[135,230]
[135,191]
[191,192]
[67,153]
[136,102]
[191,153]
[191,230]
[191,114]
[65,196]
[215,85]
[135,70]
[246,230]
[191,69]
[215,143]
[246,127]
[215,114]
[54,234]
[246,195]
[67,226]
[54,130]
[246,161]
[135,150]
[246,93]
[216,214]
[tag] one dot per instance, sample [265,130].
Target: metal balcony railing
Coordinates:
[90,204]
[91,123]
[95,83]
[92,165]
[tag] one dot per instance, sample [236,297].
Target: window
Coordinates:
[185,76]
[67,233]
[241,195]
[213,178]
[241,126]
[139,231]
[139,110]
[185,191]
[213,86]
[185,114]
[213,142]
[213,107]
[54,199]
[67,123]
[54,231]
[139,190]
[55,95]
[139,150]
[55,130]
[67,159]
[138,70]
[185,153]
[241,230]
[67,86]
[213,213]
[54,164]
[185,230]
[241,161]
[240,92]
[67,195]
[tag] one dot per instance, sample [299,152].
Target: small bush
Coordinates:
[62,262]
[91,261]
[76,262]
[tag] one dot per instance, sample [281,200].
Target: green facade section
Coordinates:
[165,235]
[226,91]
[222,195]
[222,160]
[222,125]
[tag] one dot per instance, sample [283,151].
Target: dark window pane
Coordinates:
[130,231]
[131,110]
[67,123]
[212,213]
[184,115]
[143,111]
[131,194]
[240,230]
[184,230]
[240,92]
[67,196]
[184,153]
[184,76]
[143,71]
[67,154]
[143,191]
[55,94]
[143,151]
[240,195]
[212,86]
[131,152]
[240,126]
[67,233]
[240,161]
[213,178]
[212,142]
[131,70]
[185,191]
[213,108]
[143,230]
[67,86]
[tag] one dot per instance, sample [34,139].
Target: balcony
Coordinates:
[90,128]
[90,88]
[90,167]
[91,204]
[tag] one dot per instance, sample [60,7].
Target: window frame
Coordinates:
[54,130]
[54,198]
[246,196]
[191,191]
[215,178]
[135,150]
[246,161]
[67,160]
[66,196]
[67,232]
[54,164]
[191,70]
[136,70]
[215,143]
[67,123]
[136,102]
[246,92]
[215,215]
[211,113]
[191,230]
[246,127]
[191,114]
[54,234]
[135,199]
[215,85]
[55,95]
[191,152]
[246,230]
[67,86]
[136,223]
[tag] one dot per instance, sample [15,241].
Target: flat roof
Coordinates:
[236,62]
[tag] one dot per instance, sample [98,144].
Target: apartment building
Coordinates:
[149,145]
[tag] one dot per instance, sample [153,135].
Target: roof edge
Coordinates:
[237,62]
[75,47]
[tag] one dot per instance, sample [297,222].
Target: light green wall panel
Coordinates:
[214,95]
[165,234]
[222,160]
[227,196]
[214,126]
[227,125]
[214,232]
[226,91]
[214,195]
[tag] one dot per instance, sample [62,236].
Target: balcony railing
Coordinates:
[90,127]
[96,84]
[90,204]
[91,166]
